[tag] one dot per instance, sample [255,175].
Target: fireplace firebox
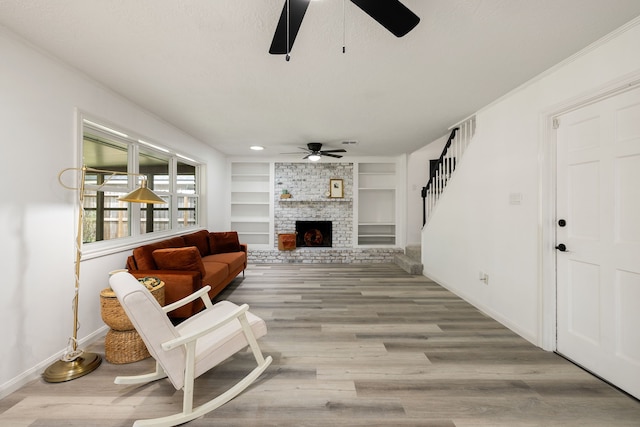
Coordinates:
[315,234]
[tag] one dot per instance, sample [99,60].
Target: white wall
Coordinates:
[38,101]
[475,227]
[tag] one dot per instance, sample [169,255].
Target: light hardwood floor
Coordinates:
[353,345]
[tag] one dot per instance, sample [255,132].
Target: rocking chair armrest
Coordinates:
[193,336]
[200,293]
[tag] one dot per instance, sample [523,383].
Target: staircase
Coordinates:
[443,169]
[441,172]
[411,260]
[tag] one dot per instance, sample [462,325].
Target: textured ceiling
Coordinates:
[203,65]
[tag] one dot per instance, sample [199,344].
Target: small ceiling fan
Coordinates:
[391,14]
[314,152]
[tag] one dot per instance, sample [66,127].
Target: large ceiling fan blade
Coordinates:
[391,14]
[324,153]
[297,9]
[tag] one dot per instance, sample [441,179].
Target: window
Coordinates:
[155,217]
[187,196]
[168,175]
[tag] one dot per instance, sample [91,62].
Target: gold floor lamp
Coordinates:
[76,362]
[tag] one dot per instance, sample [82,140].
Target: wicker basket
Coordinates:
[112,312]
[124,347]
[122,343]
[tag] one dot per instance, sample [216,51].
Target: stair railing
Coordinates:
[442,169]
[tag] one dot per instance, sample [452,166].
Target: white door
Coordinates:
[598,275]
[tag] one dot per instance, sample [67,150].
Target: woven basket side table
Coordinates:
[122,343]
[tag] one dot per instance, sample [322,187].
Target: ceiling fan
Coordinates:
[391,14]
[314,152]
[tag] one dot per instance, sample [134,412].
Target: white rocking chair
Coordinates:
[186,351]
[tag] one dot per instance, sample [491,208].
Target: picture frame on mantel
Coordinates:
[336,188]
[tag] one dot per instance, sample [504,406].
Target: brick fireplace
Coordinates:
[308,183]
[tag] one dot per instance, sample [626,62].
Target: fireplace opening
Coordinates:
[313,234]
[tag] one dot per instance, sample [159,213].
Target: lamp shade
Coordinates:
[142,195]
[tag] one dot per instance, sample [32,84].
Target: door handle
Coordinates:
[562,247]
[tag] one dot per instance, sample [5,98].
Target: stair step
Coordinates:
[408,264]
[414,252]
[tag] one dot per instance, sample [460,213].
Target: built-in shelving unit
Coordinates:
[376,204]
[251,202]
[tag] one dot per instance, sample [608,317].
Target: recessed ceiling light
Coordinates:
[257,147]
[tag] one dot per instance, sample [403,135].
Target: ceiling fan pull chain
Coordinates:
[344,27]
[288,56]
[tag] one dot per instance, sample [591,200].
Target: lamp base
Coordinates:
[62,370]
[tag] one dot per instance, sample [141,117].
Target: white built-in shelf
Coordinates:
[255,219]
[251,201]
[376,204]
[377,241]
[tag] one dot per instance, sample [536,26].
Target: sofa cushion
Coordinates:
[143,255]
[187,258]
[223,241]
[216,273]
[235,260]
[199,239]
[131,263]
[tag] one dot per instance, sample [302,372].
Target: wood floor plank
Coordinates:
[353,345]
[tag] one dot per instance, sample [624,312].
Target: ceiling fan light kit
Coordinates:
[391,14]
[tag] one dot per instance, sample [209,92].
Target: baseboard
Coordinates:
[34,373]
[527,335]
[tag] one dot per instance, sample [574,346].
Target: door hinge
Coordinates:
[556,123]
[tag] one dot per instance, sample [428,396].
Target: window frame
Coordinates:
[135,143]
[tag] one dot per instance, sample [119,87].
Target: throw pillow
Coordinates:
[224,241]
[187,258]
[199,239]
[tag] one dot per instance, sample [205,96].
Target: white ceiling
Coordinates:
[204,66]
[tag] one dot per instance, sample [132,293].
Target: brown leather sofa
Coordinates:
[187,263]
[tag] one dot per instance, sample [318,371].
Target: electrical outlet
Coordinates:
[484,277]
